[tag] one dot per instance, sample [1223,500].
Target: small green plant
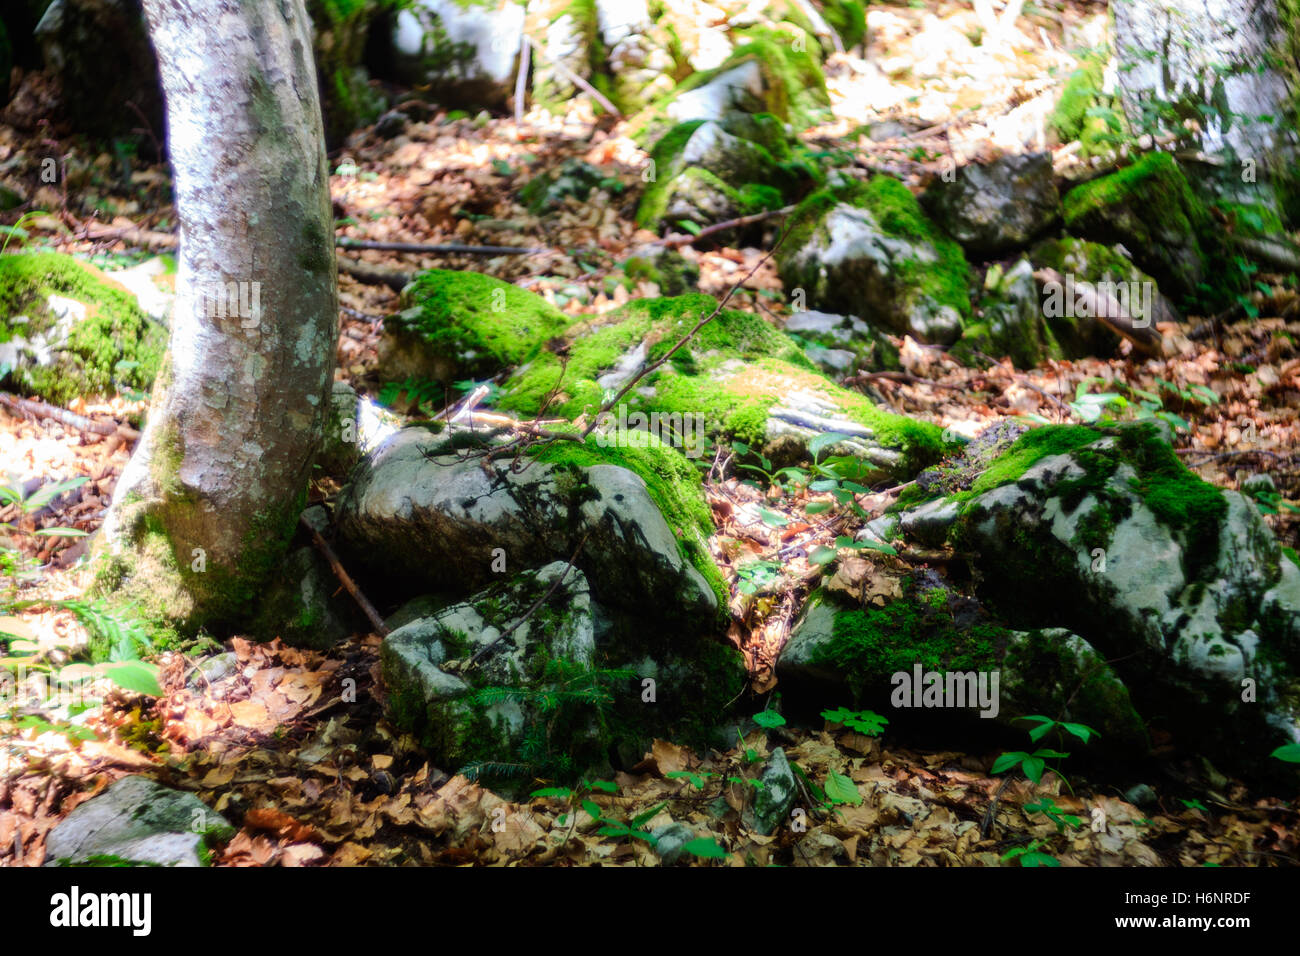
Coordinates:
[16,231]
[1030,855]
[1287,752]
[862,721]
[1032,764]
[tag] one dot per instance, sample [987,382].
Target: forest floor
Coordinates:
[312,781]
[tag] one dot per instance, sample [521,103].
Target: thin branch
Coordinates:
[532,610]
[345,579]
[27,406]
[575,79]
[674,242]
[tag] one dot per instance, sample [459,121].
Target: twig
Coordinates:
[344,578]
[987,823]
[532,610]
[453,249]
[575,79]
[27,406]
[674,242]
[901,377]
[631,383]
[1145,338]
[521,79]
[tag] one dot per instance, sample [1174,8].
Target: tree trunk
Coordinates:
[207,505]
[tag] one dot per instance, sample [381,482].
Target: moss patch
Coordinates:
[115,340]
[474,322]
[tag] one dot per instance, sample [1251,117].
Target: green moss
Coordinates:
[848,18]
[674,485]
[1028,450]
[945,281]
[481,323]
[869,645]
[1081,92]
[1251,219]
[114,330]
[1154,182]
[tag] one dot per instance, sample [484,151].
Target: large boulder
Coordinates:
[67,330]
[137,821]
[1180,585]
[739,379]
[882,655]
[423,516]
[868,250]
[995,207]
[532,677]
[466,54]
[1151,210]
[842,344]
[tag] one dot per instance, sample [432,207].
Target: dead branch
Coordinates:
[371,274]
[674,242]
[1146,339]
[345,579]
[38,409]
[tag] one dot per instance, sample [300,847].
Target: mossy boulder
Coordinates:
[1149,208]
[869,250]
[1181,585]
[458,325]
[739,378]
[706,172]
[842,650]
[419,515]
[1083,92]
[574,179]
[494,690]
[67,330]
[767,72]
[1009,321]
[137,822]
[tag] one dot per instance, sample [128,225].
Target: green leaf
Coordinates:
[62,532]
[1007,761]
[772,519]
[692,227]
[822,556]
[707,848]
[48,493]
[1033,767]
[1288,752]
[592,809]
[840,789]
[606,786]
[135,675]
[552,793]
[768,719]
[823,440]
[1082,731]
[817,507]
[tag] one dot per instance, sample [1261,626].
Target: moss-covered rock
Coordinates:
[1009,321]
[1083,92]
[464,324]
[879,657]
[1151,210]
[994,207]
[869,250]
[767,72]
[417,515]
[493,690]
[67,330]
[1179,584]
[739,378]
[707,172]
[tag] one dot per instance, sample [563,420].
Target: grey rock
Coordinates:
[773,800]
[671,840]
[998,206]
[212,669]
[139,820]
[391,124]
[1141,795]
[425,520]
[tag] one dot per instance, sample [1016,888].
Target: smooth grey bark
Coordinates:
[206,506]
